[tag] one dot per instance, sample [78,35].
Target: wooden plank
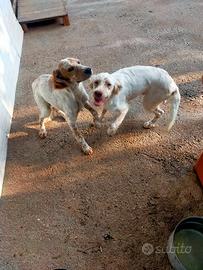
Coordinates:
[33,10]
[66,20]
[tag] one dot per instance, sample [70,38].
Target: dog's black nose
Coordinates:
[98,94]
[88,71]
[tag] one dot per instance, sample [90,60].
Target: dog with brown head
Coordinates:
[70,70]
[71,98]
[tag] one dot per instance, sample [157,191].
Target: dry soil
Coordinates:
[61,209]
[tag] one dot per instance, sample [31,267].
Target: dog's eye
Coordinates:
[96,83]
[108,84]
[70,69]
[78,62]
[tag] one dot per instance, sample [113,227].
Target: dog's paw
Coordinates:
[111,131]
[42,134]
[148,125]
[87,150]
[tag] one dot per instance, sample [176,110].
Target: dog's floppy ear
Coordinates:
[117,88]
[91,82]
[59,82]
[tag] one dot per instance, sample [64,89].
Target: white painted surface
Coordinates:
[11,38]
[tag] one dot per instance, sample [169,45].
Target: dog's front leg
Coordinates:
[103,114]
[117,122]
[80,139]
[94,114]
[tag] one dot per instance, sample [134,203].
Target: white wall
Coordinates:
[11,38]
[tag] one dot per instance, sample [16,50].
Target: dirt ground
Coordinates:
[61,209]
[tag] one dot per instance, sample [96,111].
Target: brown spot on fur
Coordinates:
[59,81]
[64,72]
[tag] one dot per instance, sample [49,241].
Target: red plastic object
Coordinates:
[199,168]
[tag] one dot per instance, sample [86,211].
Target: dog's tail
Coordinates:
[174,100]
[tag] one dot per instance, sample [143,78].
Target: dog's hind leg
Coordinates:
[55,112]
[44,115]
[152,105]
[151,123]
[43,118]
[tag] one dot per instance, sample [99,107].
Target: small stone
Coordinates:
[108,236]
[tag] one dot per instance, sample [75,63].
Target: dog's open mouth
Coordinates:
[98,101]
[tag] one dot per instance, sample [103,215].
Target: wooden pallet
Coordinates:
[38,10]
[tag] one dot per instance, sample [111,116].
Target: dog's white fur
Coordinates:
[114,91]
[68,99]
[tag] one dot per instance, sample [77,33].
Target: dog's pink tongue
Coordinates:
[98,101]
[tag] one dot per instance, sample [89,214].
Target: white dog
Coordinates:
[114,91]
[63,90]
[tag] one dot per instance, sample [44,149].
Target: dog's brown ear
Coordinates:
[59,83]
[91,82]
[91,85]
[116,88]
